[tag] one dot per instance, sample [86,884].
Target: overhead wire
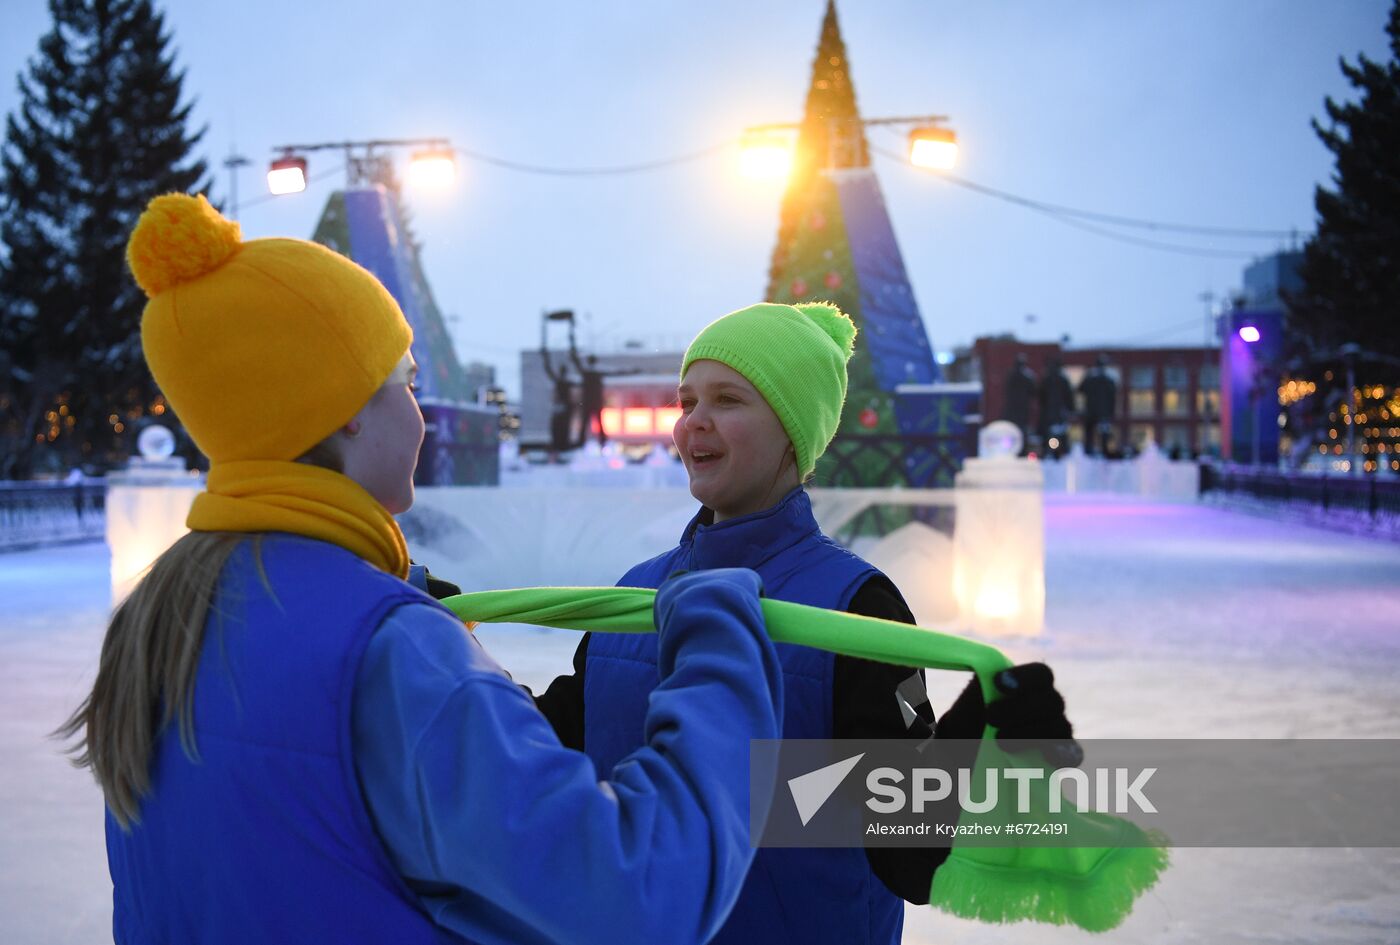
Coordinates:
[1075,217]
[1153,334]
[1069,217]
[598,171]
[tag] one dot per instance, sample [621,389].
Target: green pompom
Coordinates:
[833,321]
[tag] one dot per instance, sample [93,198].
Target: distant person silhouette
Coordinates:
[592,385]
[1020,386]
[1100,400]
[562,405]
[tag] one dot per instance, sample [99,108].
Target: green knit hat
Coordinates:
[795,356]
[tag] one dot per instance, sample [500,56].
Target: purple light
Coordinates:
[1249,334]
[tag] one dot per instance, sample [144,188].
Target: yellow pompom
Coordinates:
[179,238]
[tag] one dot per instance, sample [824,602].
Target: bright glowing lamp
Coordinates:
[766,155]
[934,148]
[1249,334]
[432,169]
[287,175]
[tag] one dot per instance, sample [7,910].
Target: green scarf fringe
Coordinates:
[1096,900]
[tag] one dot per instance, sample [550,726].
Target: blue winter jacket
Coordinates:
[270,836]
[791,895]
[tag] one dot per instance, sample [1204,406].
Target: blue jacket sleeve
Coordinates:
[507,836]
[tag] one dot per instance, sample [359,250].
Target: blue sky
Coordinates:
[1192,111]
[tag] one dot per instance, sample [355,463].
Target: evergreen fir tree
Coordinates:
[1351,266]
[100,129]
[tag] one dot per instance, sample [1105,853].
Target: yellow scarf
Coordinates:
[270,496]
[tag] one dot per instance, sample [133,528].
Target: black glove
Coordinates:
[1030,707]
[438,588]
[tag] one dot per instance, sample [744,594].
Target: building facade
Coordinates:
[1169,396]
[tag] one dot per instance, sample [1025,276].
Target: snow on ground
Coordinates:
[1182,621]
[1163,620]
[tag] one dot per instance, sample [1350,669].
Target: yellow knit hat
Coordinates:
[262,348]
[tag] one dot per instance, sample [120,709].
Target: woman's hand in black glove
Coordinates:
[436,587]
[439,588]
[1029,708]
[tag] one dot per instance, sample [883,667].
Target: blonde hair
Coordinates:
[150,656]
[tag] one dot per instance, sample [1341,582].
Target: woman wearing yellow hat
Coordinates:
[294,744]
[761,393]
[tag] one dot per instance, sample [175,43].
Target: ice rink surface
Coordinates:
[1163,621]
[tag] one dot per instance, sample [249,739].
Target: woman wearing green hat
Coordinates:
[761,392]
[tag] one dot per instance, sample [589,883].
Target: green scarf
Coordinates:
[1091,887]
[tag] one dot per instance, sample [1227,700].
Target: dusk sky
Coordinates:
[1191,111]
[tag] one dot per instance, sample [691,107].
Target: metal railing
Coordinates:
[921,463]
[33,514]
[1372,495]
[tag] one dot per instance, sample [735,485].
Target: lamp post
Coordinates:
[433,163]
[1249,334]
[233,162]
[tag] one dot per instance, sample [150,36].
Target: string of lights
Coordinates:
[1374,411]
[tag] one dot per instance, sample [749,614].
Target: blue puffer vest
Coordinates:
[791,895]
[267,837]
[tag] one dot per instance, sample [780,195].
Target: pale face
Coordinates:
[381,457]
[732,444]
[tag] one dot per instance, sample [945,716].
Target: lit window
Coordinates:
[667,418]
[1142,394]
[1174,390]
[612,421]
[638,421]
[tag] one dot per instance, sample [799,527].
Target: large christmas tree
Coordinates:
[100,129]
[1351,266]
[835,243]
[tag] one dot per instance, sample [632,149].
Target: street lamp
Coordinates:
[432,168]
[433,164]
[933,147]
[287,175]
[1249,334]
[767,151]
